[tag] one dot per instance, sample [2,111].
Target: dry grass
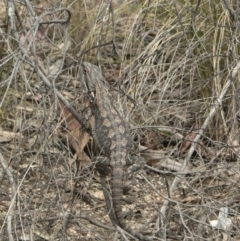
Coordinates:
[171,66]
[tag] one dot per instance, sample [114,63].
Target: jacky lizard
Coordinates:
[111,134]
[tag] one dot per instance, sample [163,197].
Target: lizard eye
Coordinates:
[85,71]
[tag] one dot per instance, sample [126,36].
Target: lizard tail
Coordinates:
[117,195]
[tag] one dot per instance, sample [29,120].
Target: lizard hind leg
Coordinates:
[103,165]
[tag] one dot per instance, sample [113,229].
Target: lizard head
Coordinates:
[90,75]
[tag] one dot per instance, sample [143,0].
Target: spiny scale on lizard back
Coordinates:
[118,133]
[106,114]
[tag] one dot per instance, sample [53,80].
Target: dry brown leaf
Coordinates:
[188,141]
[235,144]
[151,140]
[6,136]
[190,199]
[165,163]
[77,138]
[98,194]
[201,148]
[157,159]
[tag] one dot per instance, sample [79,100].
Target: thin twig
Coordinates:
[65,21]
[231,12]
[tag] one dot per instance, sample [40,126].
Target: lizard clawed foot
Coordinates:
[136,162]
